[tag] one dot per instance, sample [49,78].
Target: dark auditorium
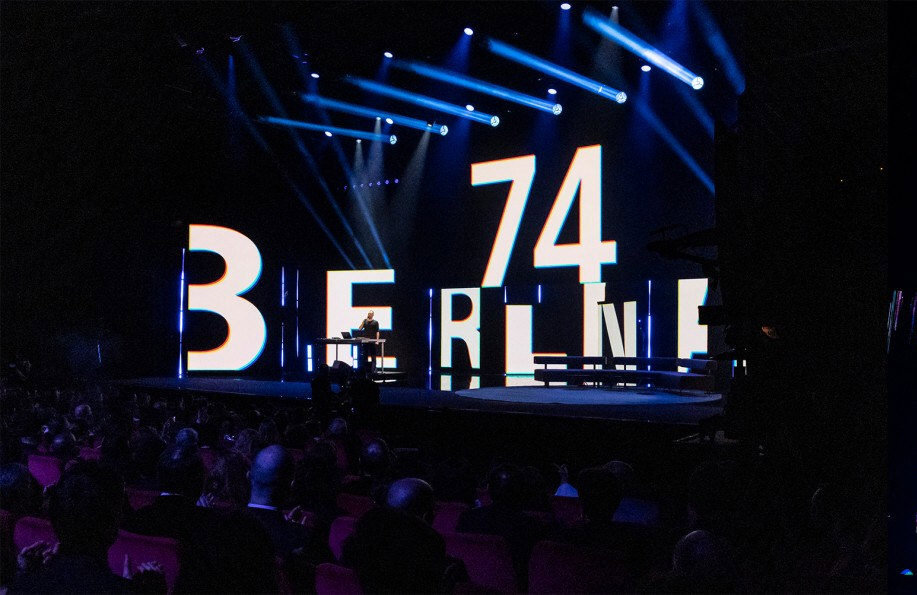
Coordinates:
[467,297]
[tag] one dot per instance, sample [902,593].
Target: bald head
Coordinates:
[413,496]
[271,475]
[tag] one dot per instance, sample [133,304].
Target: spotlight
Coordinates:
[421,100]
[359,141]
[314,75]
[392,139]
[388,55]
[495,121]
[646,68]
[565,6]
[697,82]
[327,133]
[235,38]
[389,121]
[552,91]
[469,31]
[469,107]
[396,180]
[328,130]
[444,130]
[386,182]
[621,97]
[557,109]
[199,51]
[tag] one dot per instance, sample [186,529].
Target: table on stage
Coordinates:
[336,341]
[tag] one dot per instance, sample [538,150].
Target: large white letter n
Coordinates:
[246,333]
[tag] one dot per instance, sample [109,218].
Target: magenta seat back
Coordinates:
[145,548]
[139,498]
[90,454]
[564,568]
[567,511]
[209,457]
[331,579]
[447,516]
[487,559]
[29,530]
[354,505]
[341,528]
[47,470]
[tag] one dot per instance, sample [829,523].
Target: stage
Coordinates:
[620,404]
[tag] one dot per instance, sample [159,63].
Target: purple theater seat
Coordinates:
[145,548]
[138,498]
[447,516]
[209,457]
[567,511]
[331,579]
[354,505]
[487,559]
[47,470]
[90,454]
[341,528]
[29,530]
[564,568]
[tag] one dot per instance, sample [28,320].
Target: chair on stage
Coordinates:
[447,516]
[487,559]
[46,469]
[341,529]
[564,568]
[332,579]
[145,548]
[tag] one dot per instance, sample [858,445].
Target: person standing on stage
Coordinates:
[371,326]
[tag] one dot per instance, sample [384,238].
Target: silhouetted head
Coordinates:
[85,509]
[268,432]
[248,442]
[395,552]
[375,458]
[413,496]
[181,471]
[599,493]
[624,473]
[506,485]
[702,561]
[271,475]
[20,493]
[337,427]
[186,438]
[63,446]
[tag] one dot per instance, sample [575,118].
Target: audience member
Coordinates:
[20,493]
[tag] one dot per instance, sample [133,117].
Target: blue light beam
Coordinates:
[460,80]
[632,43]
[676,146]
[559,72]
[359,110]
[390,138]
[718,45]
[423,100]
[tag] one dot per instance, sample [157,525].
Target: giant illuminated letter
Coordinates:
[692,337]
[246,332]
[341,314]
[468,329]
[623,344]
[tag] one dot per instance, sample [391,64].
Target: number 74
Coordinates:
[585,175]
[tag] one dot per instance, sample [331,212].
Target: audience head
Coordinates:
[337,428]
[181,471]
[186,438]
[85,509]
[703,562]
[394,552]
[599,493]
[271,476]
[375,457]
[625,475]
[146,446]
[20,493]
[247,442]
[228,480]
[506,485]
[268,432]
[63,446]
[413,496]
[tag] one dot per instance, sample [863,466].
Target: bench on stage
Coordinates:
[660,372]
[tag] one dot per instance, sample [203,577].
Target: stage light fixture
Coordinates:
[388,55]
[358,110]
[359,141]
[396,180]
[314,75]
[386,182]
[467,82]
[552,91]
[565,6]
[469,31]
[469,107]
[618,34]
[549,68]
[646,68]
[199,51]
[422,100]
[235,38]
[328,130]
[444,130]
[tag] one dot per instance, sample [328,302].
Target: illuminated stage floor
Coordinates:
[638,405]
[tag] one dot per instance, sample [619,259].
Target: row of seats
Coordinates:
[553,568]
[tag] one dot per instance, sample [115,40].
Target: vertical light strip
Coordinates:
[430,337]
[539,293]
[308,358]
[283,289]
[649,318]
[281,345]
[181,313]
[297,313]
